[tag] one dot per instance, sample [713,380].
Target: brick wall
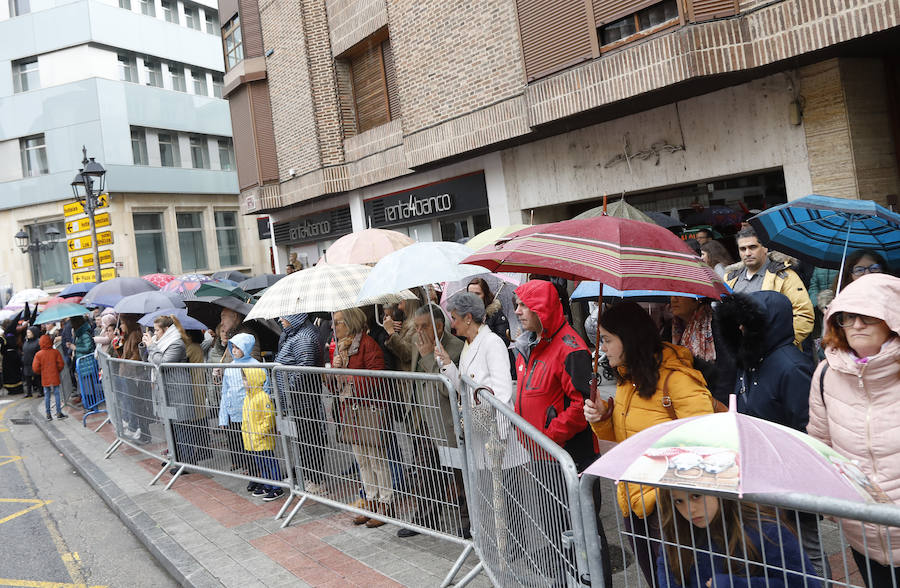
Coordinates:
[351,21]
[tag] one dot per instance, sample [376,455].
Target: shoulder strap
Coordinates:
[822,384]
[666,399]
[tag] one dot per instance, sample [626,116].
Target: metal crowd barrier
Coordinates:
[789,540]
[87,370]
[523,497]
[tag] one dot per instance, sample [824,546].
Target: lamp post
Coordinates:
[87,187]
[28,245]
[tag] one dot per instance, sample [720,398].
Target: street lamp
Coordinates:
[28,245]
[87,187]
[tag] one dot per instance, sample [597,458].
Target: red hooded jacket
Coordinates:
[554,380]
[48,362]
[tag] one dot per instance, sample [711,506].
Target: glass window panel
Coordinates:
[227,238]
[147,222]
[226,154]
[148,8]
[657,14]
[218,83]
[154,73]
[177,73]
[212,22]
[128,68]
[34,156]
[199,152]
[25,75]
[190,240]
[231,35]
[480,222]
[454,230]
[169,154]
[139,147]
[19,7]
[170,11]
[49,267]
[192,17]
[617,30]
[151,247]
[126,4]
[199,82]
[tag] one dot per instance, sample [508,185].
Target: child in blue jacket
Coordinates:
[231,405]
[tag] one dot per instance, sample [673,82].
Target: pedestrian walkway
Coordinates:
[208,531]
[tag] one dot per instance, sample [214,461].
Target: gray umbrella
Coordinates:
[147,302]
[664,220]
[110,292]
[233,275]
[260,282]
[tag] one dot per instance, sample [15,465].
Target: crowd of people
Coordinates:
[669,361]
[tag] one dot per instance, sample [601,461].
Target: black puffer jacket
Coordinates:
[773,376]
[496,320]
[29,349]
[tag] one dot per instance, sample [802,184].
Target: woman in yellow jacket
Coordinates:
[655,381]
[258,433]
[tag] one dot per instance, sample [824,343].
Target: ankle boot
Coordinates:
[383,509]
[364,519]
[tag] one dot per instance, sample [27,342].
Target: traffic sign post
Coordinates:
[83,224]
[78,243]
[87,260]
[74,208]
[106,273]
[90,200]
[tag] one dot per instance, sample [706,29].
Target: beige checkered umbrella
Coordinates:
[323,288]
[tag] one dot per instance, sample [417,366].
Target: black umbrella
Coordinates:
[208,310]
[260,282]
[233,275]
[73,290]
[147,302]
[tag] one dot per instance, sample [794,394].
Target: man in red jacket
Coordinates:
[553,371]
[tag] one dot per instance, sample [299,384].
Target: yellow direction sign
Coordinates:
[83,224]
[78,243]
[108,273]
[87,260]
[73,208]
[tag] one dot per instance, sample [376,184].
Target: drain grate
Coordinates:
[24,421]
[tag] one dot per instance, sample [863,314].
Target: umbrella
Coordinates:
[186,283]
[489,236]
[590,291]
[363,247]
[260,282]
[503,286]
[734,453]
[664,220]
[110,292]
[821,229]
[61,311]
[76,289]
[619,209]
[59,300]
[144,302]
[717,216]
[158,280]
[188,322]
[218,289]
[27,295]
[322,288]
[230,275]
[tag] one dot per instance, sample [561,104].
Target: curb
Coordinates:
[180,564]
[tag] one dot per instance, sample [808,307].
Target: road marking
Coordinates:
[71,556]
[10,404]
[42,584]
[11,458]
[34,502]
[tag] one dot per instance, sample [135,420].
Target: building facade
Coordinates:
[441,118]
[139,83]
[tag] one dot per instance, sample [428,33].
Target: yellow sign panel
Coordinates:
[83,224]
[87,260]
[73,208]
[78,243]
[108,273]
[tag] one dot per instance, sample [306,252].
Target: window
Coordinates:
[231,38]
[212,22]
[641,20]
[154,73]
[226,155]
[25,75]
[218,82]
[169,155]
[170,10]
[190,240]
[199,82]
[49,267]
[148,8]
[177,73]
[19,7]
[227,238]
[128,68]
[374,86]
[139,147]
[34,156]
[192,17]
[199,152]
[126,4]
[150,243]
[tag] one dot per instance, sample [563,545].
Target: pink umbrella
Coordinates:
[733,452]
[365,247]
[57,300]
[158,280]
[186,283]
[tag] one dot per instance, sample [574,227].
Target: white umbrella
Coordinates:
[323,288]
[29,295]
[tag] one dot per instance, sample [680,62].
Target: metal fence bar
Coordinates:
[88,373]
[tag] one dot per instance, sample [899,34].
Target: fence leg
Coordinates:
[112,448]
[97,430]
[294,511]
[459,562]
[175,477]
[287,502]
[470,576]
[159,475]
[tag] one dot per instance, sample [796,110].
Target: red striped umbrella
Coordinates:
[622,253]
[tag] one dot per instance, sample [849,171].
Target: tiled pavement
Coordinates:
[207,531]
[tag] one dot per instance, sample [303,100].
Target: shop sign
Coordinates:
[458,195]
[107,273]
[324,225]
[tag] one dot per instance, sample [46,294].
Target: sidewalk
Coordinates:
[207,531]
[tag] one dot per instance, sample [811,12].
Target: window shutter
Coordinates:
[701,10]
[607,11]
[390,76]
[265,132]
[242,133]
[555,35]
[369,89]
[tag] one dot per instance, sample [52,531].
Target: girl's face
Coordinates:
[476,289]
[863,267]
[29,334]
[340,326]
[699,509]
[612,346]
[683,307]
[704,256]
[236,352]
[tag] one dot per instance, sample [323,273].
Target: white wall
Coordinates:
[77,63]
[10,161]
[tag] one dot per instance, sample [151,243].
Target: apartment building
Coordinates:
[139,83]
[442,118]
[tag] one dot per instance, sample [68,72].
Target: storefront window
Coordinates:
[150,243]
[49,267]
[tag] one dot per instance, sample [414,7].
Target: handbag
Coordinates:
[717,405]
[359,422]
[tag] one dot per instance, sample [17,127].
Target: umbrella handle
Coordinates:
[475,400]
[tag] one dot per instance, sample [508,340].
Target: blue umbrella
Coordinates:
[110,292]
[188,322]
[76,289]
[821,229]
[58,312]
[144,302]
[589,291]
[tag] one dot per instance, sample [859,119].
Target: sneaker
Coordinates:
[49,417]
[259,491]
[27,395]
[404,533]
[273,495]
[251,487]
[134,435]
[60,415]
[174,470]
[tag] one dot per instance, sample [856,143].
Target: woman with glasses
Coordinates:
[858,264]
[854,408]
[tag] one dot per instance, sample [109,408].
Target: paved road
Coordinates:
[55,532]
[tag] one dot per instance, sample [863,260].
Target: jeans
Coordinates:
[267,467]
[882,576]
[55,391]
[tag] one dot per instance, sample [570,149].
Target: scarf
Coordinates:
[169,337]
[697,335]
[348,347]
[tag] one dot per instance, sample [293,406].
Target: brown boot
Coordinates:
[363,519]
[382,510]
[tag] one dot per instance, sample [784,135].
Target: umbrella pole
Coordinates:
[437,340]
[844,255]
[595,375]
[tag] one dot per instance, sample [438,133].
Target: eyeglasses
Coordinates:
[859,270]
[848,319]
[339,322]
